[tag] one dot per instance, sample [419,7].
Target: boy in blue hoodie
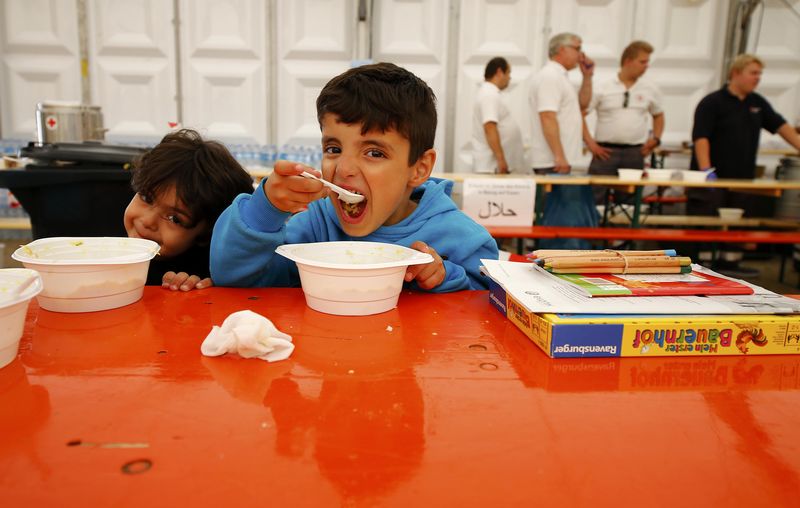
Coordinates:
[378,124]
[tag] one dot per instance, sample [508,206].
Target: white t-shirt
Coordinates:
[489,107]
[618,124]
[551,90]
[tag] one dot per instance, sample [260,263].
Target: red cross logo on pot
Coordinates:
[51,122]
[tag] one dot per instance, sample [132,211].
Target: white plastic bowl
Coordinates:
[87,274]
[730,213]
[660,174]
[352,278]
[630,174]
[13,307]
[693,176]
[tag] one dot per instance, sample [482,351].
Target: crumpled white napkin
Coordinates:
[249,334]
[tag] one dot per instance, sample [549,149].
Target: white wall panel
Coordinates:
[224,68]
[777,43]
[604,26]
[419,45]
[247,77]
[40,61]
[132,55]
[520,42]
[688,38]
[315,42]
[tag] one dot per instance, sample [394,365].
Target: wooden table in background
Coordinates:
[545,183]
[440,402]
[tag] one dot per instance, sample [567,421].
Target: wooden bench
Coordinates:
[649,234]
[652,234]
[665,200]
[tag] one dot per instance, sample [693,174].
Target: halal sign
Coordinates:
[51,123]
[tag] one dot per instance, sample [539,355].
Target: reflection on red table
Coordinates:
[440,402]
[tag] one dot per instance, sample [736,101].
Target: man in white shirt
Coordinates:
[556,118]
[496,138]
[626,105]
[556,135]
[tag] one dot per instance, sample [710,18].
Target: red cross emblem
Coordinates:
[51,122]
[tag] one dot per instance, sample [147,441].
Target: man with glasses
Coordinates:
[626,107]
[556,135]
[556,118]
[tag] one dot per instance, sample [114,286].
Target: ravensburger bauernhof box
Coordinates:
[584,335]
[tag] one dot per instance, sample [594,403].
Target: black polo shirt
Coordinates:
[733,127]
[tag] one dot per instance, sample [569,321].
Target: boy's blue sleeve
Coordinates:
[243,245]
[467,275]
[461,243]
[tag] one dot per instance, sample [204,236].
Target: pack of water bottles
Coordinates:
[261,157]
[10,147]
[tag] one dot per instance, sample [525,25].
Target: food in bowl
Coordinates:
[18,286]
[630,174]
[660,174]
[352,278]
[730,213]
[87,274]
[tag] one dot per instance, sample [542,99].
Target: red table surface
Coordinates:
[452,406]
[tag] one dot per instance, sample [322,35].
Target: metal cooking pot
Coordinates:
[93,123]
[68,122]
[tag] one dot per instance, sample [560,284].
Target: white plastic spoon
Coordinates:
[344,194]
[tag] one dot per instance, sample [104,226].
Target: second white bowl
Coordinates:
[87,274]
[352,278]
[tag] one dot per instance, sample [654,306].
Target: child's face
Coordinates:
[375,165]
[164,220]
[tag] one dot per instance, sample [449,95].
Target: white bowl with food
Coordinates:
[660,174]
[630,174]
[352,278]
[87,274]
[730,213]
[18,286]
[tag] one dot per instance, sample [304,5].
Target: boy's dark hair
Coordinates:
[383,96]
[495,63]
[206,176]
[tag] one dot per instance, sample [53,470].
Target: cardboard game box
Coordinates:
[585,335]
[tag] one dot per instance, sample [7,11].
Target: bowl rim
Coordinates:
[28,293]
[147,250]
[730,213]
[694,175]
[416,257]
[630,173]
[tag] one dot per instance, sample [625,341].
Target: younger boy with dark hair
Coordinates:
[378,124]
[182,185]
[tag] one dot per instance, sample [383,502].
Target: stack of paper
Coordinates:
[540,291]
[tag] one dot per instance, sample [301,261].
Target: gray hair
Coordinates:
[560,40]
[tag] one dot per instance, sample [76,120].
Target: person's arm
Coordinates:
[788,133]
[461,254]
[243,252]
[702,151]
[552,135]
[655,139]
[598,151]
[585,93]
[493,139]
